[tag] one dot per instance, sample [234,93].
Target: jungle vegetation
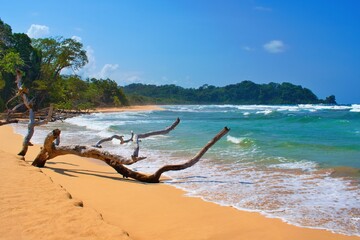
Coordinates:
[245,92]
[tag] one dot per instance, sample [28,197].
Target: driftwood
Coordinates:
[61,114]
[8,122]
[136,138]
[51,150]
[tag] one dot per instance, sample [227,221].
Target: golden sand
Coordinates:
[33,206]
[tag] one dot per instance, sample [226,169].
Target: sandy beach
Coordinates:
[77,198]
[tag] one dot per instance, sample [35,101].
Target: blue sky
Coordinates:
[313,43]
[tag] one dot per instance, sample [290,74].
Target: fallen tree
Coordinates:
[136,138]
[51,149]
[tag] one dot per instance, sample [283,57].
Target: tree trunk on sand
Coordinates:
[22,92]
[50,150]
[31,129]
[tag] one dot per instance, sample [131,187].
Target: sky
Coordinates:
[313,43]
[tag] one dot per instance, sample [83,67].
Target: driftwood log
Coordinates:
[136,138]
[51,150]
[8,122]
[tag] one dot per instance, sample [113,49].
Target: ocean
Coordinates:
[299,163]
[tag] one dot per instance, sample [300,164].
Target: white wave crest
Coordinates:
[234,139]
[265,112]
[355,108]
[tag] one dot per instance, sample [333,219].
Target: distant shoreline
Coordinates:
[245,92]
[129,108]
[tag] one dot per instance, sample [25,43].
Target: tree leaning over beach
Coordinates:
[51,150]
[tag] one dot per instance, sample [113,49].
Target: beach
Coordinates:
[77,198]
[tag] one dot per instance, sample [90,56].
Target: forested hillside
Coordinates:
[245,92]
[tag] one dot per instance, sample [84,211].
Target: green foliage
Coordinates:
[135,99]
[330,100]
[5,35]
[116,101]
[10,61]
[56,54]
[31,57]
[107,90]
[245,92]
[16,52]
[74,93]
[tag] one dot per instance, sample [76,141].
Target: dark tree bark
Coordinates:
[50,150]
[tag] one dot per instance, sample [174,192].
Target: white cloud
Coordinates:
[91,69]
[37,31]
[76,38]
[275,46]
[107,70]
[111,71]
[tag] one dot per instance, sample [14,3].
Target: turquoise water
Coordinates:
[298,163]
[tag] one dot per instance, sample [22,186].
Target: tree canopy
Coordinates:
[75,93]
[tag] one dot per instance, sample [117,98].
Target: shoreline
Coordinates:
[157,211]
[134,108]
